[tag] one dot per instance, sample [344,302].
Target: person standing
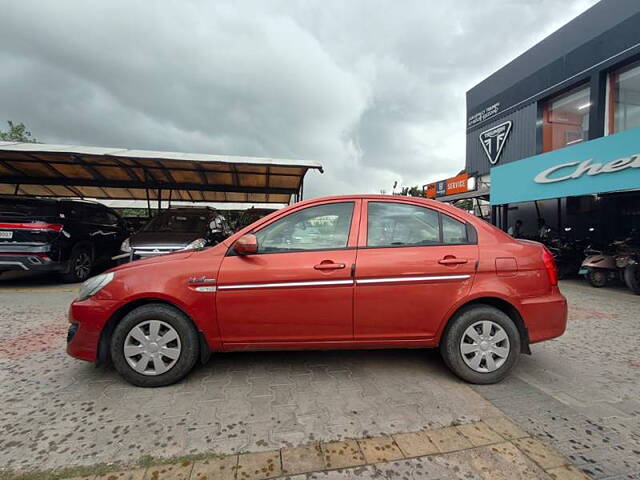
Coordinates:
[516,230]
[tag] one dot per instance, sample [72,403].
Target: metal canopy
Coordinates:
[118,174]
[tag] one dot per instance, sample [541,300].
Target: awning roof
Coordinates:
[114,173]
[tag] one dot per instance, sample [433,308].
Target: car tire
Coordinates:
[632,277]
[498,348]
[597,277]
[155,347]
[79,266]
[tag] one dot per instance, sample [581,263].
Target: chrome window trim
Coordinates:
[411,279]
[317,283]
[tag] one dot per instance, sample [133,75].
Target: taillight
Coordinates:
[550,266]
[55,227]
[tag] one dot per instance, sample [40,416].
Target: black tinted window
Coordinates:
[27,208]
[183,222]
[396,224]
[324,227]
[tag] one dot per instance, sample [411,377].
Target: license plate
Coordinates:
[6,235]
[583,271]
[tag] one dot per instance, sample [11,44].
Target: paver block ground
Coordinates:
[181,471]
[505,428]
[479,434]
[449,439]
[342,454]
[568,472]
[137,474]
[258,466]
[223,468]
[380,449]
[307,458]
[415,444]
[540,453]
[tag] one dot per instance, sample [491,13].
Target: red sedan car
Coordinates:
[358,271]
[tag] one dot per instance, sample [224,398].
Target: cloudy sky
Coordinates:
[372,89]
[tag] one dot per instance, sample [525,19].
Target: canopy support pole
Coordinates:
[559,215]
[148,203]
[159,200]
[17,189]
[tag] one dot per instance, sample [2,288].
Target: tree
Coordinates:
[414,191]
[17,133]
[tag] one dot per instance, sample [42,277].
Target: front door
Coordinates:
[299,286]
[413,264]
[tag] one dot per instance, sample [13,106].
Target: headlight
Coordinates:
[94,285]
[198,243]
[125,247]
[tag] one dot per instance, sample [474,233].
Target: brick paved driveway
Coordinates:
[58,411]
[580,392]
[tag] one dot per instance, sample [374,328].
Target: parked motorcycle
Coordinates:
[619,261]
[566,250]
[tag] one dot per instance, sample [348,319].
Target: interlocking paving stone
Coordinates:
[505,428]
[567,472]
[223,468]
[415,444]
[342,454]
[307,458]
[379,449]
[181,471]
[137,474]
[258,466]
[479,434]
[540,453]
[448,439]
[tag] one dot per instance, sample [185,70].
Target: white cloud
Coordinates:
[372,89]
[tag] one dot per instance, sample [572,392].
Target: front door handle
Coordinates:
[329,266]
[452,261]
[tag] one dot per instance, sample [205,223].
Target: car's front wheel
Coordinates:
[154,345]
[481,344]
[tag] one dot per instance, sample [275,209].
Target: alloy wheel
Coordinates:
[152,347]
[82,265]
[485,346]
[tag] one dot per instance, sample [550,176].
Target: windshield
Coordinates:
[181,222]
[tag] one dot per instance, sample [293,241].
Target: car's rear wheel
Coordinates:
[481,344]
[80,265]
[154,345]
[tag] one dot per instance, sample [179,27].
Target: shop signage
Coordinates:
[493,140]
[606,164]
[450,186]
[457,184]
[483,114]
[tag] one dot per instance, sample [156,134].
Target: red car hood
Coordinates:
[151,260]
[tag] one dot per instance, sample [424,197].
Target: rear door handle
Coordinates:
[452,261]
[329,266]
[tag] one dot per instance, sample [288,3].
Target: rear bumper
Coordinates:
[545,317]
[29,262]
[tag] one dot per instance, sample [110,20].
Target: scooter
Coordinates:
[620,261]
[598,268]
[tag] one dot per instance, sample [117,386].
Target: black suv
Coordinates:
[65,236]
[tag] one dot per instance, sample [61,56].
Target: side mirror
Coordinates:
[246,245]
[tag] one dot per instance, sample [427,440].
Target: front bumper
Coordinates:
[545,317]
[87,320]
[29,262]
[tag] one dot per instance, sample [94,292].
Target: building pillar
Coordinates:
[598,100]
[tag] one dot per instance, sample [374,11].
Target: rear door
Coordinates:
[413,264]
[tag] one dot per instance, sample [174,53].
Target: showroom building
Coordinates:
[555,134]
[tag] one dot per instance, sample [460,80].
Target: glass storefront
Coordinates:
[623,109]
[565,119]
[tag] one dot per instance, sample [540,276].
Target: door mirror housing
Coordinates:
[246,245]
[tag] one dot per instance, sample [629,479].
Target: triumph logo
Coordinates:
[493,140]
